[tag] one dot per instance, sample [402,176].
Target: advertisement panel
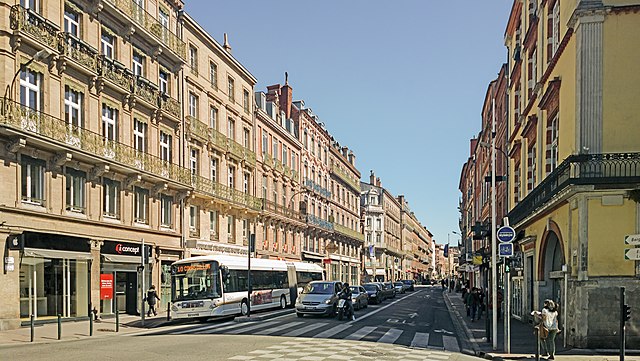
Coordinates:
[106,286]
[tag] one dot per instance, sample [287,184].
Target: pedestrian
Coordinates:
[473,303]
[548,327]
[152,296]
[481,304]
[443,283]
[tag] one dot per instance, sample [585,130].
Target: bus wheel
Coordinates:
[283,302]
[244,307]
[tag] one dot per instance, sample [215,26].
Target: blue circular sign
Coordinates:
[506,234]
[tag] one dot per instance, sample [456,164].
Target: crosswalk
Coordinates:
[346,331]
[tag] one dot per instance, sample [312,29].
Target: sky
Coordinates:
[399,82]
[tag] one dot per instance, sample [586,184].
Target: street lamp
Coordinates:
[39,56]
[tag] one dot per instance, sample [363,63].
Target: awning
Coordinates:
[379,272]
[116,258]
[53,253]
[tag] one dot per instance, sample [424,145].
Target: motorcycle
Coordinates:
[344,310]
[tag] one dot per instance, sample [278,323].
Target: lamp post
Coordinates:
[39,56]
[494,274]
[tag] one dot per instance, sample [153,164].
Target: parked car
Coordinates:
[374,291]
[318,298]
[386,291]
[390,288]
[399,287]
[410,284]
[359,297]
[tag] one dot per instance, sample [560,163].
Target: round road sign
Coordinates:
[506,234]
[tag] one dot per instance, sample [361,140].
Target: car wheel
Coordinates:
[244,307]
[299,314]
[283,302]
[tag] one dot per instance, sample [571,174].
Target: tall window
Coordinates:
[193,161]
[294,161]
[213,75]
[73,109]
[264,187]
[163,81]
[265,143]
[30,83]
[107,44]
[531,171]
[166,210]
[555,31]
[193,218]
[193,59]
[275,191]
[378,224]
[284,155]
[231,227]
[140,205]
[246,138]
[275,148]
[231,130]
[245,182]
[32,5]
[75,190]
[140,135]
[165,147]
[231,88]
[232,177]
[163,17]
[193,105]
[214,169]
[213,117]
[109,122]
[72,22]
[245,229]
[245,101]
[554,143]
[32,180]
[213,224]
[517,183]
[305,140]
[110,198]
[138,64]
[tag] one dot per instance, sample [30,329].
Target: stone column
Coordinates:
[9,287]
[95,274]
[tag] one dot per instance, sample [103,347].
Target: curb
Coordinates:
[460,325]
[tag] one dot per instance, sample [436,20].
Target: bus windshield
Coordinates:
[193,281]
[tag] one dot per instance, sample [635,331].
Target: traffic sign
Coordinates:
[505,249]
[632,254]
[331,248]
[632,239]
[506,234]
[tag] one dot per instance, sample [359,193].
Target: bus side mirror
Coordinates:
[225,273]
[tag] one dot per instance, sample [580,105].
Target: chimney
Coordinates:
[372,178]
[226,45]
[352,158]
[286,96]
[344,151]
[378,183]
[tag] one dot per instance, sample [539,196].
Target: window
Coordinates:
[110,198]
[275,191]
[138,64]
[555,32]
[193,105]
[231,88]
[193,218]
[109,122]
[140,135]
[275,149]
[32,180]
[284,155]
[193,161]
[264,187]
[165,147]
[213,223]
[305,141]
[245,183]
[214,169]
[193,59]
[284,195]
[213,75]
[246,137]
[140,205]
[245,101]
[31,4]
[378,238]
[163,81]
[265,143]
[75,190]
[245,229]
[531,168]
[516,183]
[30,89]
[294,161]
[232,175]
[163,17]
[73,110]
[107,44]
[166,210]
[313,145]
[213,117]
[231,129]
[72,22]
[378,224]
[554,143]
[231,227]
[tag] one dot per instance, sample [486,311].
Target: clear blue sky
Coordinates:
[400,82]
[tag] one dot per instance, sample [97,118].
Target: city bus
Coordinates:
[212,286]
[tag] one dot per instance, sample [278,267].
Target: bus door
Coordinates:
[293,283]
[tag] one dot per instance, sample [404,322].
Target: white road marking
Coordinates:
[420,339]
[361,333]
[382,308]
[201,328]
[253,327]
[305,329]
[391,336]
[450,343]
[332,331]
[285,326]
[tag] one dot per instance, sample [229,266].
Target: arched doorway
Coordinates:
[552,259]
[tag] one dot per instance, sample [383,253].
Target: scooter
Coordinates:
[344,310]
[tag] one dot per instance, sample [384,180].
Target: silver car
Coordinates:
[318,298]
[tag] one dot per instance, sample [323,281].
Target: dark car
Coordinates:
[410,284]
[374,291]
[390,289]
[400,287]
[359,297]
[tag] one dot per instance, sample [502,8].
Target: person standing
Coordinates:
[549,326]
[473,303]
[152,296]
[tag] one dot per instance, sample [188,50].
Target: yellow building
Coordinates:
[575,160]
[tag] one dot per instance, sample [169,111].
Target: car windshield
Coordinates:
[355,289]
[398,283]
[407,282]
[323,288]
[370,287]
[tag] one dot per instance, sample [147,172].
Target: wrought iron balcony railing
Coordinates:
[310,184]
[146,21]
[169,105]
[198,129]
[79,51]
[217,190]
[273,207]
[34,24]
[345,177]
[115,72]
[146,90]
[348,232]
[28,120]
[311,219]
[279,167]
[218,139]
[602,170]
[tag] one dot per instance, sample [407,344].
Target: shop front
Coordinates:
[122,263]
[54,276]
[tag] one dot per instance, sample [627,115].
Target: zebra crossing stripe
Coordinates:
[361,333]
[332,331]
[191,329]
[304,330]
[256,326]
[450,343]
[420,339]
[285,326]
[219,329]
[391,336]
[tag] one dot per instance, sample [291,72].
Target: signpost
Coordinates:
[632,254]
[505,249]
[506,234]
[632,239]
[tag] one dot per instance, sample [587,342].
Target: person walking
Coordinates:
[152,296]
[480,303]
[473,303]
[548,326]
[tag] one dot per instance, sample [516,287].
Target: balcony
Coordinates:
[345,177]
[146,91]
[33,122]
[36,26]
[218,139]
[273,207]
[227,194]
[115,72]
[313,186]
[169,106]
[268,160]
[80,52]
[146,21]
[348,232]
[198,129]
[612,170]
[317,221]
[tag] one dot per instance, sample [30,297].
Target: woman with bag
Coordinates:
[548,328]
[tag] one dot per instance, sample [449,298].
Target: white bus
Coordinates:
[213,286]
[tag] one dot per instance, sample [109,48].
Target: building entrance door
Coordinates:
[127,292]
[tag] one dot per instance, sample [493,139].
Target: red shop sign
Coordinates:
[106,286]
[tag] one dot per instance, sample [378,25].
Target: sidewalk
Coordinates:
[523,340]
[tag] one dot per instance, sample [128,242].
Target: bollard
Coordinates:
[90,323]
[117,315]
[536,331]
[32,327]
[59,326]
[168,311]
